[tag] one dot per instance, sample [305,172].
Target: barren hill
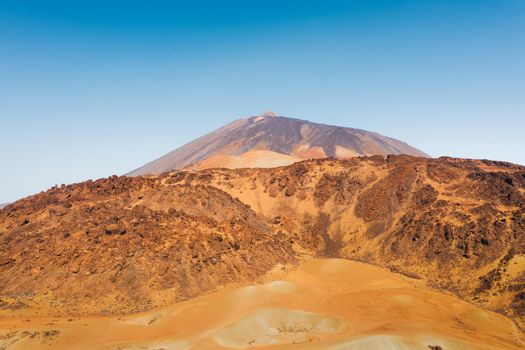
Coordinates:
[269,140]
[127,244]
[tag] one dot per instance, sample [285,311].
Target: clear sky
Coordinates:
[94,88]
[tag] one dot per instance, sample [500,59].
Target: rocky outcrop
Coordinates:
[130,243]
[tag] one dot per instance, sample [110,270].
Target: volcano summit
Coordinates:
[268,140]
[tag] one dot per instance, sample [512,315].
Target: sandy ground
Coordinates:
[324,304]
[250,159]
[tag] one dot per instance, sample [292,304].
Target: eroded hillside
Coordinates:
[123,244]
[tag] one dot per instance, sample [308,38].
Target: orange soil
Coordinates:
[324,304]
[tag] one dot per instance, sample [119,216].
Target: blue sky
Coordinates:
[94,88]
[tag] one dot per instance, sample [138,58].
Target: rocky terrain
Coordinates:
[127,244]
[269,140]
[123,245]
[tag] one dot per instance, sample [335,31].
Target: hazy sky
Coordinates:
[94,88]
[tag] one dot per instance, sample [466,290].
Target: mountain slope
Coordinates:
[131,243]
[268,141]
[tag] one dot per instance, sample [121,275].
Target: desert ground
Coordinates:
[331,304]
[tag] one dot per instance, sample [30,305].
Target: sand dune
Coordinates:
[323,304]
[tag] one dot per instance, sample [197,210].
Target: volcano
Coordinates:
[268,140]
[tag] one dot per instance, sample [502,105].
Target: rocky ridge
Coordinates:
[126,244]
